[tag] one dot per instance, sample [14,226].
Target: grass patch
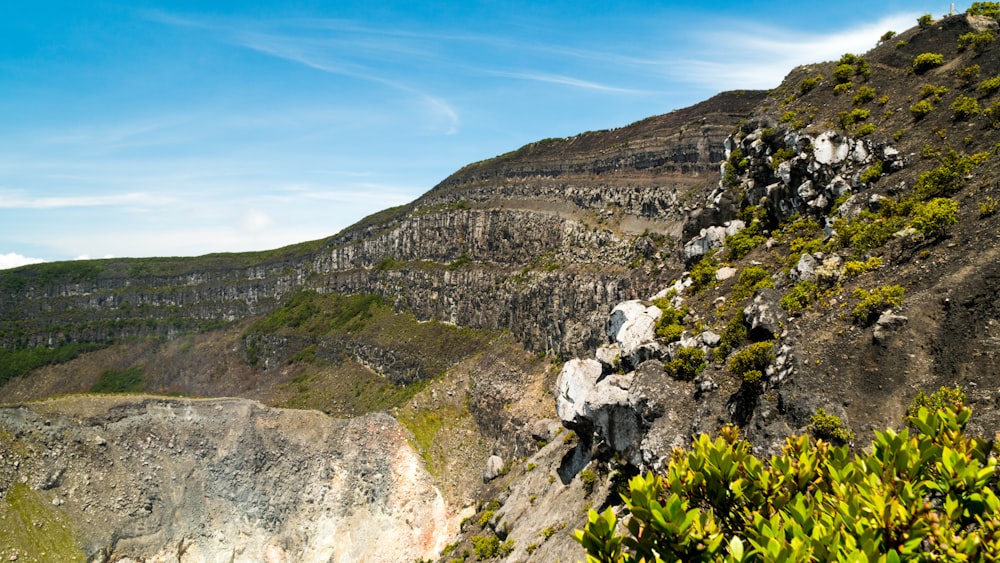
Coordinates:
[131,380]
[35,529]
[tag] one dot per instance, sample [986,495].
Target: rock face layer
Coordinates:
[223,480]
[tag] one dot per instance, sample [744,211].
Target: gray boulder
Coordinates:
[632,326]
[593,405]
[765,317]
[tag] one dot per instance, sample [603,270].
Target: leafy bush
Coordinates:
[799,297]
[949,177]
[863,95]
[968,73]
[925,21]
[869,230]
[703,274]
[987,87]
[742,243]
[749,363]
[965,107]
[488,547]
[992,115]
[670,326]
[933,218]
[943,398]
[809,83]
[872,173]
[920,109]
[829,427]
[865,130]
[588,478]
[688,363]
[926,61]
[930,90]
[854,268]
[843,73]
[849,118]
[751,279]
[734,335]
[131,380]
[988,207]
[988,9]
[842,88]
[929,495]
[780,156]
[873,302]
[978,41]
[887,36]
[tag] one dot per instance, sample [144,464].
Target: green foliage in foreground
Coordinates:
[929,496]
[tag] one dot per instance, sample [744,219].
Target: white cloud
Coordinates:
[13,260]
[255,220]
[748,56]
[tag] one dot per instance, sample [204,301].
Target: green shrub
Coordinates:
[489,547]
[965,107]
[799,297]
[938,401]
[920,109]
[873,302]
[992,115]
[780,156]
[842,88]
[588,479]
[749,363]
[688,363]
[849,118]
[925,21]
[843,73]
[968,73]
[932,91]
[925,495]
[900,44]
[854,268]
[933,218]
[865,130]
[978,41]
[131,380]
[988,9]
[887,36]
[734,335]
[670,326]
[872,173]
[740,244]
[988,207]
[703,274]
[949,177]
[751,279]
[863,95]
[809,83]
[988,87]
[926,61]
[829,427]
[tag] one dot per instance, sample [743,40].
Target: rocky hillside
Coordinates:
[806,259]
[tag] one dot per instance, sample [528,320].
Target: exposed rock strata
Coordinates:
[224,480]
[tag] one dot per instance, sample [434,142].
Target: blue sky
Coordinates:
[150,128]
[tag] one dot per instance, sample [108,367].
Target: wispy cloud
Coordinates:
[567,81]
[12,200]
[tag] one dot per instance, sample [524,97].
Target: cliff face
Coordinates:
[537,242]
